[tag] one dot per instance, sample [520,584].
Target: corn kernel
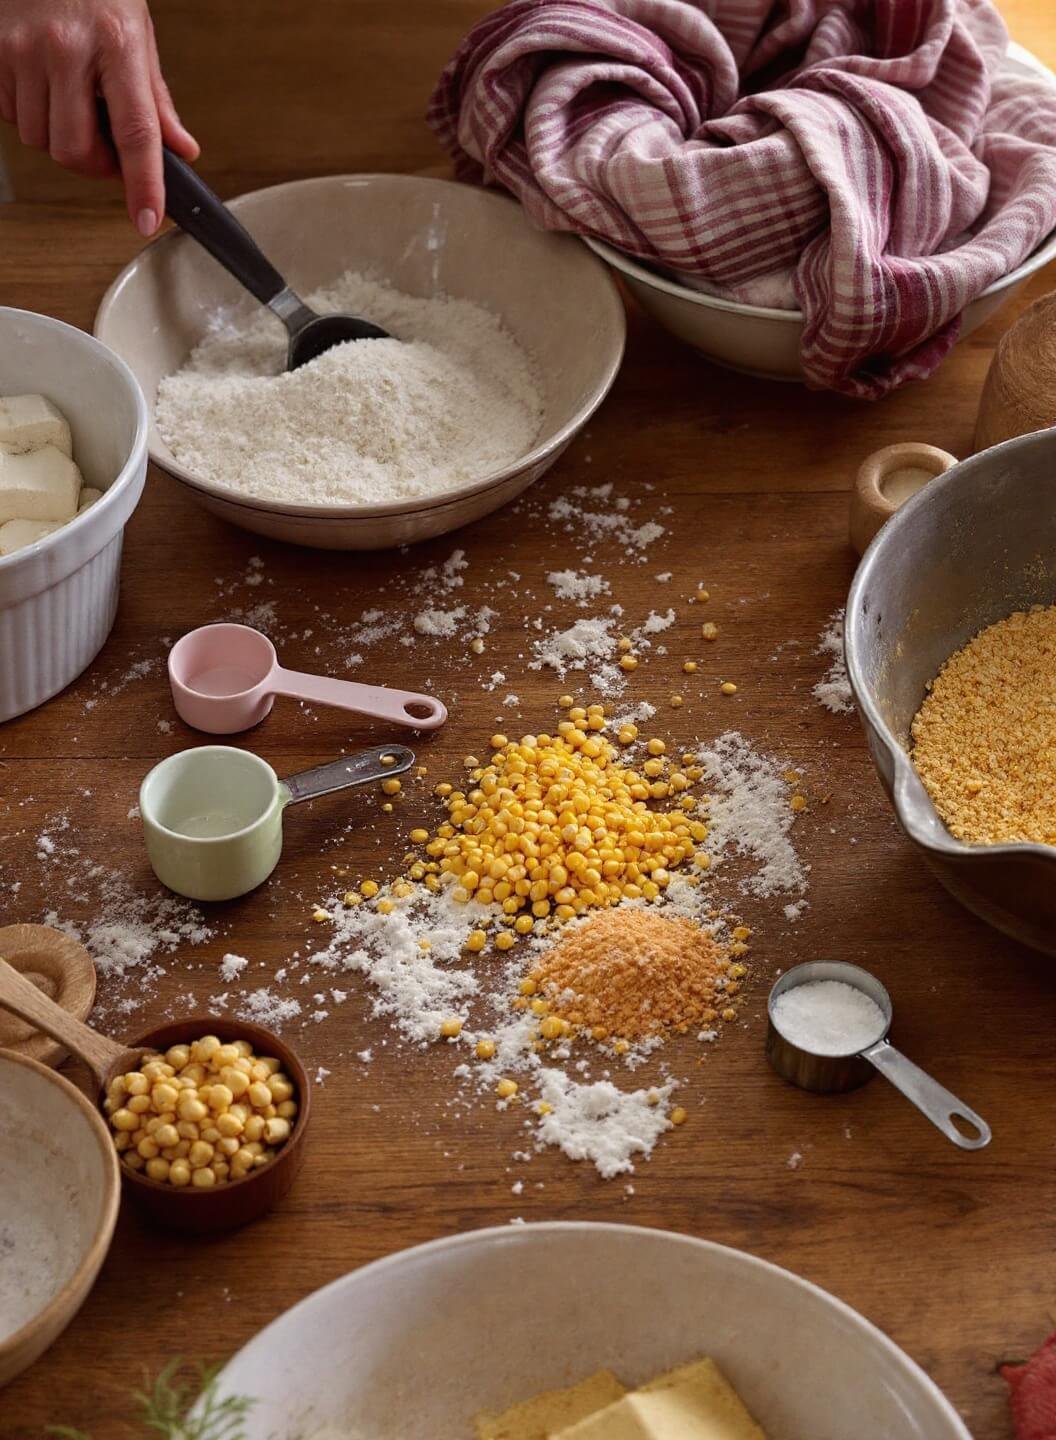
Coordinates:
[485,1049]
[451,1029]
[728,687]
[504,941]
[678,1116]
[506,1089]
[798,802]
[419,837]
[369,889]
[552,1028]
[628,662]
[656,747]
[709,630]
[677,701]
[690,667]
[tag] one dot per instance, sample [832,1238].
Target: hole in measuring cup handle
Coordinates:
[969,1129]
[426,711]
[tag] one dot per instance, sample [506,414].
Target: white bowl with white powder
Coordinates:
[508,340]
[59,1194]
[417,1344]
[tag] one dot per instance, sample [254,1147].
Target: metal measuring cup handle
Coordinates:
[940,1105]
[349,771]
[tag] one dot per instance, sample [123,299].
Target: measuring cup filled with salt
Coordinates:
[212,817]
[224,678]
[828,1032]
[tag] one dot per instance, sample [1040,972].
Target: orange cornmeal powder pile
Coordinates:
[631,974]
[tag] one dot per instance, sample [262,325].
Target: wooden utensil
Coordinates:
[224,1206]
[886,480]
[57,965]
[1019,395]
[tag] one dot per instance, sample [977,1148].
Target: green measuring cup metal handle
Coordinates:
[369,765]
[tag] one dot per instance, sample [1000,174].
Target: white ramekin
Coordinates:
[58,598]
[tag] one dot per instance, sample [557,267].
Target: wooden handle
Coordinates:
[24,999]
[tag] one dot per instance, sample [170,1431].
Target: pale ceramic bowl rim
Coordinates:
[107,357]
[540,452]
[181,759]
[1022,59]
[530,1234]
[65,1301]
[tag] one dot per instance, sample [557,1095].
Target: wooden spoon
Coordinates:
[105,1058]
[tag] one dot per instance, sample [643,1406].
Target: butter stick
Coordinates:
[694,1402]
[546,1414]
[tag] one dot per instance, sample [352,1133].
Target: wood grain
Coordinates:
[948,1252]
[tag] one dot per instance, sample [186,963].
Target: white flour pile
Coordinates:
[448,402]
[834,692]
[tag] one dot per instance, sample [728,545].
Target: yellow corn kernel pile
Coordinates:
[555,824]
[202,1114]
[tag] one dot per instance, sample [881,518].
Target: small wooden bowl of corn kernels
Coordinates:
[210,1124]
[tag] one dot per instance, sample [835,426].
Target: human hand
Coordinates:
[56,57]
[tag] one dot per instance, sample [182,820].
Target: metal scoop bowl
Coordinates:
[828,1073]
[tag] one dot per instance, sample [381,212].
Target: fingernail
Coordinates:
[147,222]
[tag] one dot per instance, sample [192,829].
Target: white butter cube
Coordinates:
[39,485]
[29,421]
[17,533]
[89,496]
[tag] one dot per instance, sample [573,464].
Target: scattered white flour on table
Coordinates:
[574,648]
[264,1008]
[834,692]
[575,585]
[749,813]
[231,967]
[453,399]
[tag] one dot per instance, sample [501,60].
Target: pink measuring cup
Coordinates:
[225,678]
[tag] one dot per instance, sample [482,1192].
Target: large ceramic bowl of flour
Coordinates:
[59,1194]
[509,339]
[420,1343]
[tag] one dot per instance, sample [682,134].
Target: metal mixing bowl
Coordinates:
[974,545]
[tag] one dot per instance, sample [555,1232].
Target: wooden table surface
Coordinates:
[948,1252]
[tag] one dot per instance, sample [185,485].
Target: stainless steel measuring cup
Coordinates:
[212,817]
[827,1073]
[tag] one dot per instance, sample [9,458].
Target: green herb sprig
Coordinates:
[164,1409]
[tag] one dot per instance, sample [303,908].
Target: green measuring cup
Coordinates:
[212,817]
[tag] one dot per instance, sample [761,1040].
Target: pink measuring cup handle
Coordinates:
[377,701]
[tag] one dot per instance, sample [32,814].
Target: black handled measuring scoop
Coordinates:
[205,217]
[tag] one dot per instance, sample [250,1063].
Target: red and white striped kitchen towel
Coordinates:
[870,158]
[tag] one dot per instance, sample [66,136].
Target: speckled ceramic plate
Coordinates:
[60,1188]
